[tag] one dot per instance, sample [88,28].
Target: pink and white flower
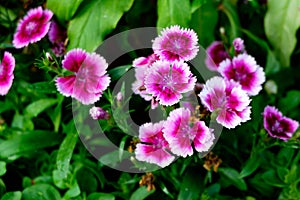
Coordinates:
[98,113]
[216,53]
[167,81]
[33,27]
[228,100]
[89,79]
[181,132]
[6,73]
[238,45]
[176,44]
[141,65]
[244,70]
[277,125]
[153,147]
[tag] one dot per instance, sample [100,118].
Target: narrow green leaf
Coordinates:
[284,17]
[93,21]
[233,177]
[231,12]
[65,153]
[173,12]
[12,196]
[100,196]
[37,107]
[204,21]
[2,168]
[63,9]
[43,88]
[118,72]
[141,193]
[30,141]
[250,166]
[41,192]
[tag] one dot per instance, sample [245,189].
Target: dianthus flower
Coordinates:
[153,147]
[57,36]
[238,45]
[167,81]
[176,44]
[6,73]
[216,53]
[181,132]
[228,100]
[141,65]
[33,27]
[244,70]
[89,79]
[98,113]
[277,125]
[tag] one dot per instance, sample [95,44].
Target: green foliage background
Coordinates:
[42,157]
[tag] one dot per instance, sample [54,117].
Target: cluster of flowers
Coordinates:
[229,95]
[164,77]
[88,79]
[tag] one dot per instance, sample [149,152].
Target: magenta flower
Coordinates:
[57,36]
[238,45]
[141,65]
[278,126]
[33,27]
[6,73]
[89,79]
[244,70]
[180,133]
[216,53]
[98,113]
[176,44]
[228,100]
[167,81]
[153,147]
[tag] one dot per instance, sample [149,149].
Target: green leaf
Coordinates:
[55,114]
[22,122]
[290,102]
[173,12]
[250,166]
[41,192]
[281,23]
[2,168]
[63,9]
[191,186]
[43,88]
[141,193]
[28,141]
[204,21]
[113,158]
[233,177]
[231,12]
[117,72]
[37,107]
[100,196]
[270,177]
[63,158]
[93,21]
[272,64]
[86,180]
[12,196]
